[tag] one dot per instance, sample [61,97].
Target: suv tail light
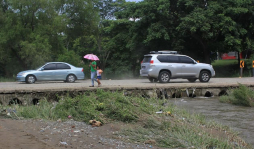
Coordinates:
[82,69]
[141,62]
[151,61]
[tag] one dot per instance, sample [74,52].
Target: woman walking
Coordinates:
[93,73]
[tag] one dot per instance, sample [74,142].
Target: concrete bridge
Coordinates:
[16,92]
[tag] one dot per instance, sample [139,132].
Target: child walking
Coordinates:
[99,72]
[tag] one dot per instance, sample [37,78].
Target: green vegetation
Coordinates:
[231,68]
[226,68]
[240,96]
[3,79]
[222,63]
[101,106]
[173,128]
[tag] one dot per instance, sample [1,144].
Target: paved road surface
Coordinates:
[112,84]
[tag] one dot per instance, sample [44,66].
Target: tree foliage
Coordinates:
[120,33]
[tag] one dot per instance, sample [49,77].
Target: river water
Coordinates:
[239,118]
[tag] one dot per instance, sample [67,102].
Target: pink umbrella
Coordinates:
[91,57]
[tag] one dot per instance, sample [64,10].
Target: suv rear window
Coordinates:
[168,59]
[163,58]
[147,59]
[173,59]
[187,60]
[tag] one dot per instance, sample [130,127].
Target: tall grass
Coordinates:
[240,96]
[100,105]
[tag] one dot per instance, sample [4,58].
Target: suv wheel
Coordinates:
[153,80]
[204,76]
[164,77]
[192,80]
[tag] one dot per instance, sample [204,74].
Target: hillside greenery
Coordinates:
[33,32]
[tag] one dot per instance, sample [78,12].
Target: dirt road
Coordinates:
[133,83]
[14,136]
[41,134]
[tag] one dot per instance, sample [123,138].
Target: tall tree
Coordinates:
[26,33]
[215,25]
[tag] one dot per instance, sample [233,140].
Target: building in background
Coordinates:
[234,55]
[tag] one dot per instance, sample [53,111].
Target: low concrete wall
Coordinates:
[32,97]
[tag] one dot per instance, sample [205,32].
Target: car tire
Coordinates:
[204,76]
[30,79]
[71,78]
[152,80]
[164,77]
[192,80]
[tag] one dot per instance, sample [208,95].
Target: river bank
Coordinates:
[127,122]
[239,118]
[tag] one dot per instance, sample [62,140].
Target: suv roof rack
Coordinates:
[163,52]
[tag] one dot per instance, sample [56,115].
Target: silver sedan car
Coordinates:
[52,71]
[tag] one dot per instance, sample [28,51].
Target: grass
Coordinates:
[226,68]
[174,128]
[218,63]
[243,96]
[102,106]
[3,79]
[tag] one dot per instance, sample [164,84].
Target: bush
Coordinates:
[100,106]
[241,96]
[42,110]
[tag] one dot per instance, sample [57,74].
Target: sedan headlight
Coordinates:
[21,74]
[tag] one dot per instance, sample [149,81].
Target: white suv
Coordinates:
[166,65]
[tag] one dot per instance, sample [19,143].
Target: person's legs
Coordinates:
[98,80]
[93,74]
[92,78]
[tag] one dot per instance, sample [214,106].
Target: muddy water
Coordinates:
[240,119]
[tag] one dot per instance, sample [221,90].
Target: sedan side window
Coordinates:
[62,66]
[50,67]
[186,60]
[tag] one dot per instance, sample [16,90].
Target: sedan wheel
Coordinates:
[71,78]
[30,79]
[204,76]
[164,77]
